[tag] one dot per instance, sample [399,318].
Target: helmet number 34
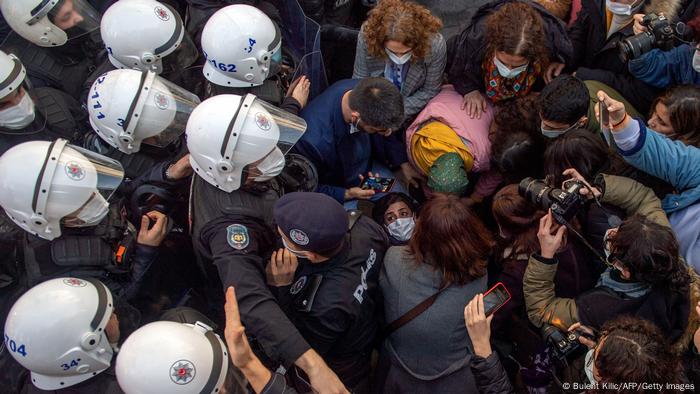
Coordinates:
[14,348]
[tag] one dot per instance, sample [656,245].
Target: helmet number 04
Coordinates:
[221,66]
[14,348]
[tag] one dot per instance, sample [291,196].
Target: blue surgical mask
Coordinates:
[549,133]
[402,228]
[507,72]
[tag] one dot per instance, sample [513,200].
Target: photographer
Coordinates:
[663,69]
[672,161]
[630,349]
[646,277]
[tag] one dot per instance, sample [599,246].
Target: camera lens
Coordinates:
[635,46]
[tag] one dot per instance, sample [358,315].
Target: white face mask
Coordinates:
[20,115]
[402,228]
[400,60]
[507,72]
[696,61]
[588,366]
[271,166]
[90,214]
[620,8]
[301,255]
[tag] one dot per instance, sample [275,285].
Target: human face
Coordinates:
[12,99]
[67,16]
[596,351]
[511,61]
[661,120]
[397,47]
[369,129]
[395,211]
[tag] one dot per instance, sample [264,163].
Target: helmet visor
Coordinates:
[165,113]
[184,56]
[275,129]
[75,17]
[100,174]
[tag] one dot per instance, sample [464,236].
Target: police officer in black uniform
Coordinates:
[35,114]
[58,41]
[240,171]
[334,297]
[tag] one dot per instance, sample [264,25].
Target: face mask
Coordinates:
[300,255]
[588,366]
[619,8]
[696,61]
[507,72]
[549,133]
[402,228]
[355,127]
[18,116]
[91,213]
[271,166]
[400,60]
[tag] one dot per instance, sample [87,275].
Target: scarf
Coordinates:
[499,88]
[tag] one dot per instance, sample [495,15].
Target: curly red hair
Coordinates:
[406,22]
[517,29]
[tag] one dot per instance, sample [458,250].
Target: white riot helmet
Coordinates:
[128,107]
[241,45]
[230,137]
[18,109]
[174,358]
[45,184]
[141,34]
[56,331]
[49,23]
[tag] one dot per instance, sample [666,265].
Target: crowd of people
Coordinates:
[293,196]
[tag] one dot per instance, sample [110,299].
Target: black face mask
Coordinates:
[74,48]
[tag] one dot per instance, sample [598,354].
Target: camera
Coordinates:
[563,344]
[565,204]
[661,33]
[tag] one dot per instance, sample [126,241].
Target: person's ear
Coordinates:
[583,121]
[355,116]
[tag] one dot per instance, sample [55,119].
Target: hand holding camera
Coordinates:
[551,238]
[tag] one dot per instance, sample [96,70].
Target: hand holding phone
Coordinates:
[495,298]
[378,184]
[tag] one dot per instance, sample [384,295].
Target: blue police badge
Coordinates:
[237,236]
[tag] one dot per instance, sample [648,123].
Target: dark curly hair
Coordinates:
[651,253]
[406,22]
[516,142]
[634,350]
[517,29]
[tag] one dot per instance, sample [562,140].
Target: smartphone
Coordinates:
[603,115]
[379,185]
[495,298]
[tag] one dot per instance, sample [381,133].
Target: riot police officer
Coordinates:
[237,149]
[63,331]
[242,48]
[147,35]
[34,114]
[58,41]
[60,195]
[333,300]
[172,357]
[140,119]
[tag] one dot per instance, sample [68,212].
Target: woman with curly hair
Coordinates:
[504,52]
[401,41]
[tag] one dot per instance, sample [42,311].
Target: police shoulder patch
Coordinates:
[298,285]
[237,236]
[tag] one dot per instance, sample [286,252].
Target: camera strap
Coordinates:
[571,228]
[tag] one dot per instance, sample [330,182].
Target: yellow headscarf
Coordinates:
[434,140]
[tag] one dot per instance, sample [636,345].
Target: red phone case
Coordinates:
[504,302]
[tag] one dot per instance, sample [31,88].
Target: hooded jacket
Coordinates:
[466,71]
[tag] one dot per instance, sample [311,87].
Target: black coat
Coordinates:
[596,56]
[490,376]
[466,71]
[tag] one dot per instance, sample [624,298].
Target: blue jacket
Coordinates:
[338,155]
[666,69]
[672,161]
